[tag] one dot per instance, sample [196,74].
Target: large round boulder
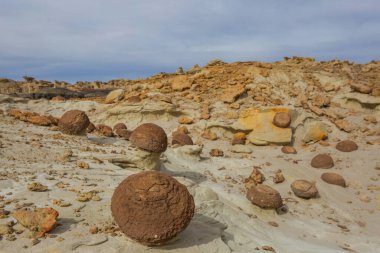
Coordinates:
[73,122]
[149,137]
[264,196]
[152,207]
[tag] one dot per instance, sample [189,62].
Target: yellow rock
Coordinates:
[263,130]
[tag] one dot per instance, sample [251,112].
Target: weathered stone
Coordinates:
[73,122]
[333,178]
[181,139]
[322,161]
[152,207]
[304,189]
[150,137]
[39,221]
[264,196]
[281,119]
[346,146]
[288,150]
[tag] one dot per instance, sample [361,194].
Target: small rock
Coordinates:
[123,133]
[281,119]
[119,126]
[333,178]
[239,138]
[322,161]
[346,146]
[185,120]
[83,165]
[278,178]
[91,127]
[264,196]
[208,134]
[239,148]
[93,230]
[304,189]
[361,87]
[104,130]
[288,150]
[37,187]
[39,221]
[216,152]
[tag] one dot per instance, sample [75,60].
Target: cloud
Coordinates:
[99,40]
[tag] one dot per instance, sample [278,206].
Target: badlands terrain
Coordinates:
[228,110]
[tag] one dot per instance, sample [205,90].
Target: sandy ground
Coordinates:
[339,220]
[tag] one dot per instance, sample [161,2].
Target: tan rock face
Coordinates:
[361,87]
[150,137]
[263,131]
[152,207]
[114,96]
[264,196]
[180,83]
[304,189]
[73,122]
[322,161]
[281,119]
[315,131]
[239,138]
[230,94]
[333,178]
[347,146]
[39,221]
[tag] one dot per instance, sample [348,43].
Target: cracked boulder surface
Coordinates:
[152,207]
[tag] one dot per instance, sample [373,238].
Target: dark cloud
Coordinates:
[100,40]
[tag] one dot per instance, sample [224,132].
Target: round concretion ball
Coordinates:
[333,178]
[264,196]
[181,139]
[152,207]
[282,119]
[346,146]
[73,122]
[322,161]
[119,126]
[150,137]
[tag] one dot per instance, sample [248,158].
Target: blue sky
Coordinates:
[107,39]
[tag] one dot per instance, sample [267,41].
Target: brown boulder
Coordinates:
[104,130]
[91,127]
[288,150]
[264,196]
[346,146]
[39,221]
[304,189]
[333,178]
[123,133]
[73,122]
[281,119]
[181,139]
[40,120]
[150,137]
[322,161]
[152,207]
[119,126]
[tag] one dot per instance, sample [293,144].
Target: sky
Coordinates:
[90,40]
